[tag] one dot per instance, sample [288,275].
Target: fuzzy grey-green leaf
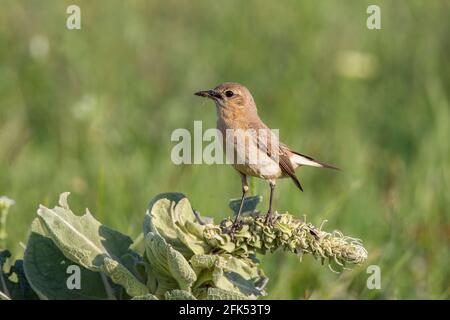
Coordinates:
[90,244]
[179,295]
[172,217]
[147,296]
[168,262]
[180,269]
[46,270]
[220,294]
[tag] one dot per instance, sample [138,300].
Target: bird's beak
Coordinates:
[212,94]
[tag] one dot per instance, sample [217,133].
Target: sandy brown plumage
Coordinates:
[237,115]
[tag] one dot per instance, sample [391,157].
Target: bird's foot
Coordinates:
[235,227]
[270,219]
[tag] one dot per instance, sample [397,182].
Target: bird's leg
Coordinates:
[237,220]
[269,217]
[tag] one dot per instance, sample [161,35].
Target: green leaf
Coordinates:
[249,205]
[180,269]
[200,262]
[135,264]
[229,273]
[147,296]
[171,216]
[220,294]
[46,270]
[167,263]
[158,219]
[90,244]
[179,295]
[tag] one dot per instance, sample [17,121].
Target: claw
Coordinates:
[236,226]
[270,219]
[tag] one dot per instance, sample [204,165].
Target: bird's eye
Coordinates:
[229,93]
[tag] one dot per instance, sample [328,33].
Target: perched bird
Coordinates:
[255,150]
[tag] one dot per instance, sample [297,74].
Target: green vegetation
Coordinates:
[184,255]
[91,111]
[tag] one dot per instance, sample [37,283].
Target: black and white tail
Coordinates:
[298,159]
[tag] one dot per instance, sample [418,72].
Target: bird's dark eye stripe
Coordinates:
[229,93]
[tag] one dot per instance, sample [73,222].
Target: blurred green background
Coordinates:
[91,111]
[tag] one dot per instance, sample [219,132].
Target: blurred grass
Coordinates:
[93,115]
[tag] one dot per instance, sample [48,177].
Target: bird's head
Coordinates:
[231,96]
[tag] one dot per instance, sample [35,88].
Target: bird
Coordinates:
[253,147]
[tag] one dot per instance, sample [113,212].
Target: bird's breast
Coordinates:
[244,154]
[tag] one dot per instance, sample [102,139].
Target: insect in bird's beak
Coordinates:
[212,94]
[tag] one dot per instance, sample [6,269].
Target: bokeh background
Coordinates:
[91,111]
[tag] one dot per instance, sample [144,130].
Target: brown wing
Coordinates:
[286,165]
[283,153]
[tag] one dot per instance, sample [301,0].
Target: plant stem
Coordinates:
[4,296]
[3,283]
[108,289]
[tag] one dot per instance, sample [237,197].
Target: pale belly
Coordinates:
[243,154]
[267,171]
